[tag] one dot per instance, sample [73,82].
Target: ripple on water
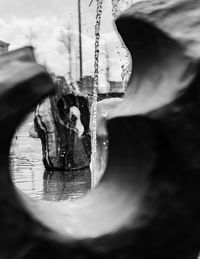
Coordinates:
[29,175]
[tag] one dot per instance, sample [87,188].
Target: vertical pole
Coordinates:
[70,54]
[80,41]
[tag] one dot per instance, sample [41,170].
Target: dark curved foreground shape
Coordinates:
[148,203]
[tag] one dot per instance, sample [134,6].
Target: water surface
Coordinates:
[30,176]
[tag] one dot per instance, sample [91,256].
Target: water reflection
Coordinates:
[30,176]
[66,185]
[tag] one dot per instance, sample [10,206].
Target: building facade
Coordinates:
[3,47]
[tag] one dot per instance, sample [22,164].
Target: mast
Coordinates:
[69,47]
[80,41]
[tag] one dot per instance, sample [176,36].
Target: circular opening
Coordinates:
[30,171]
[51,164]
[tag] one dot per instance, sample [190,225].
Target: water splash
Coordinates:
[115,8]
[119,6]
[126,71]
[91,2]
[95,91]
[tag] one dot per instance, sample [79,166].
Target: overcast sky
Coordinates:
[46,18]
[29,9]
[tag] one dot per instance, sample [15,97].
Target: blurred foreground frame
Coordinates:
[147,204]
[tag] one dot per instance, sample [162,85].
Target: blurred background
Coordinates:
[45,163]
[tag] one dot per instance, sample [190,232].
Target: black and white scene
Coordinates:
[100,129]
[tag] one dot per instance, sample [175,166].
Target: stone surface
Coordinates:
[147,204]
[74,132]
[46,130]
[179,19]
[62,123]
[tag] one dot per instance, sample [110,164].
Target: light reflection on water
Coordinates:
[29,174]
